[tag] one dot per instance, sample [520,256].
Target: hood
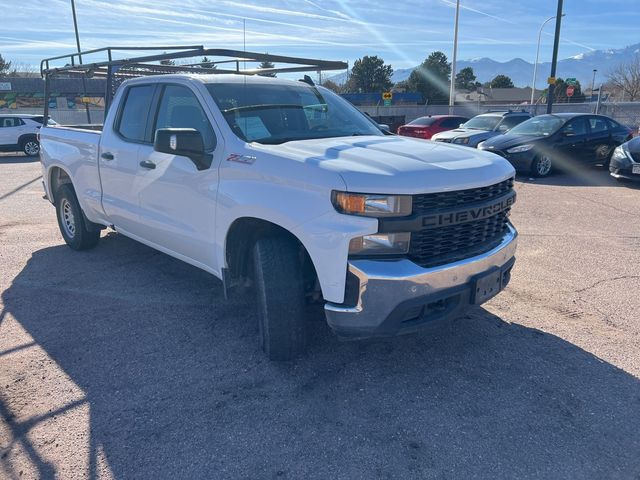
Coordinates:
[634,145]
[503,142]
[464,133]
[395,164]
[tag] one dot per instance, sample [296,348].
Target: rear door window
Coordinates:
[132,124]
[10,122]
[451,122]
[598,125]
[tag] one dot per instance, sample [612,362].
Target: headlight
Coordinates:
[461,141]
[380,244]
[619,154]
[372,205]
[520,149]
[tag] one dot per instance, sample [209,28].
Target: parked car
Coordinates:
[563,141]
[426,127]
[481,127]
[625,160]
[254,180]
[18,133]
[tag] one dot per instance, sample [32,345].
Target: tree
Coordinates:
[207,63]
[626,78]
[331,85]
[432,78]
[465,79]
[5,67]
[370,75]
[560,92]
[267,65]
[501,81]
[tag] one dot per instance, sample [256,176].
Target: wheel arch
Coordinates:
[57,176]
[242,235]
[25,137]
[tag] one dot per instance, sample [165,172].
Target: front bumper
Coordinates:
[521,161]
[398,296]
[623,168]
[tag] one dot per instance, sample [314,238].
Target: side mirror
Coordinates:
[385,128]
[186,142]
[503,128]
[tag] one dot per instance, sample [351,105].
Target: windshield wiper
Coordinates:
[247,108]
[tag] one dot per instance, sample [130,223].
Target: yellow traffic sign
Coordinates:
[387,96]
[551,80]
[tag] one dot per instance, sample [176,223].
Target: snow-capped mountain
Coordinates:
[521,72]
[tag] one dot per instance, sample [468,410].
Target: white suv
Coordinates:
[18,133]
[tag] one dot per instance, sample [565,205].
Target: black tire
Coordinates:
[77,232]
[278,280]
[30,147]
[541,166]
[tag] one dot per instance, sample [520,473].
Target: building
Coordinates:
[66,93]
[499,96]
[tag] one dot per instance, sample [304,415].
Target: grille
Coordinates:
[445,140]
[636,157]
[428,203]
[437,246]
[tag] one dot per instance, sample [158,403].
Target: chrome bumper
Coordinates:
[399,296]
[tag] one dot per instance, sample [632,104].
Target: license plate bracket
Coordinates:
[487,286]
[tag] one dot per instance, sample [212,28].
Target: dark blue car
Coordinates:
[563,141]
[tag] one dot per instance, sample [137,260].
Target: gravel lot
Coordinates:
[124,363]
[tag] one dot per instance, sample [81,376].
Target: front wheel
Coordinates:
[541,166]
[73,226]
[279,287]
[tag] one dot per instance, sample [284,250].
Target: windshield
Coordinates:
[423,121]
[483,122]
[278,113]
[539,126]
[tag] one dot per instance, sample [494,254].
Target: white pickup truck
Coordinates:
[285,187]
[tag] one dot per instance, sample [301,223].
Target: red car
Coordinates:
[425,127]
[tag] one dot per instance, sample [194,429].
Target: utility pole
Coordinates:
[84,81]
[452,89]
[593,82]
[554,60]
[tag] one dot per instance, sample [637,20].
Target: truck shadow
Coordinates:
[177,387]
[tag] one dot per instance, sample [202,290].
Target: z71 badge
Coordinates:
[236,157]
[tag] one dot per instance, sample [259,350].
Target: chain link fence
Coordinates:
[627,113]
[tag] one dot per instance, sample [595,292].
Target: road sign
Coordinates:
[387,96]
[551,80]
[571,81]
[570,90]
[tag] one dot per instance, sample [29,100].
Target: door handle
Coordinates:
[148,164]
[107,156]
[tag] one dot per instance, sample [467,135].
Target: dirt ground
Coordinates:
[122,362]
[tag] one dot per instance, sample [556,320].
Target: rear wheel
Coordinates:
[31,147]
[279,287]
[73,226]
[541,166]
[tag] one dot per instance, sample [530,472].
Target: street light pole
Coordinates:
[535,65]
[84,82]
[452,89]
[554,60]
[593,83]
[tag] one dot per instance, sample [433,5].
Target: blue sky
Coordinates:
[402,32]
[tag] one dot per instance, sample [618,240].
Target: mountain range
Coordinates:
[521,72]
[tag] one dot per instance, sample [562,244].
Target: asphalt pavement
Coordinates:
[121,362]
